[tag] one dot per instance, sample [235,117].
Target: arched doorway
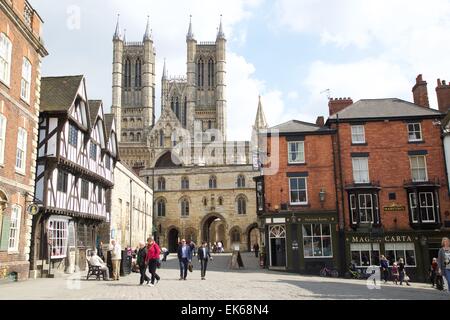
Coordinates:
[213,228]
[253,236]
[173,240]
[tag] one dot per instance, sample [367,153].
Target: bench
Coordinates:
[94,271]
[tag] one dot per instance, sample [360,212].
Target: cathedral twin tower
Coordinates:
[198,100]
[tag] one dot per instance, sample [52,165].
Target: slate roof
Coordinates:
[384,108]
[294,126]
[94,106]
[109,117]
[58,93]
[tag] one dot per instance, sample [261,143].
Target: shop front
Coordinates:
[301,243]
[416,248]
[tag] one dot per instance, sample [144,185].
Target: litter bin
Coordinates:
[125,263]
[262,260]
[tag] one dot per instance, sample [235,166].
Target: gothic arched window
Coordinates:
[138,136]
[235,236]
[241,181]
[177,108]
[185,183]
[200,73]
[161,184]
[211,73]
[212,182]
[161,208]
[131,136]
[127,73]
[220,201]
[172,104]
[161,138]
[138,77]
[184,121]
[241,205]
[184,208]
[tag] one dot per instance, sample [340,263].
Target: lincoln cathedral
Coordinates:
[203,184]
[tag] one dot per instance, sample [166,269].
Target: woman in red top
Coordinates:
[152,259]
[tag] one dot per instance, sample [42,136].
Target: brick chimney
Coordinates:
[320,121]
[420,92]
[443,95]
[337,105]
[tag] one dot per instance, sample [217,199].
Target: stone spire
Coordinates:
[164,76]
[190,34]
[117,35]
[124,35]
[260,122]
[220,33]
[148,31]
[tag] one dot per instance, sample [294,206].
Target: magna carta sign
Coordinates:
[395,207]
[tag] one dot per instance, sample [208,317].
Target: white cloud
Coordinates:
[399,40]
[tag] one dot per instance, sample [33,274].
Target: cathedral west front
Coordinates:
[203,184]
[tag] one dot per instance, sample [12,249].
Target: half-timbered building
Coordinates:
[75,171]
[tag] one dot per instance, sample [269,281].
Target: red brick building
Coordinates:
[299,214]
[391,180]
[21,51]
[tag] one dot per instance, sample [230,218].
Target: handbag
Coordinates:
[407,277]
[190,267]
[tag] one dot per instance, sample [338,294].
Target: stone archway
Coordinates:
[213,220]
[253,236]
[173,239]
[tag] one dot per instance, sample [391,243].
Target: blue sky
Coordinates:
[289,51]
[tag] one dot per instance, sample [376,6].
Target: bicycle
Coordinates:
[327,272]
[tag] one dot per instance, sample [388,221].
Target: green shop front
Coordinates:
[417,248]
[301,243]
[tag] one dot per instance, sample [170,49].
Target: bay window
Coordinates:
[423,206]
[364,208]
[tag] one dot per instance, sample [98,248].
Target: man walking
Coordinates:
[116,257]
[141,256]
[203,256]
[152,259]
[256,249]
[184,257]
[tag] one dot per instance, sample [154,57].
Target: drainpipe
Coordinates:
[342,207]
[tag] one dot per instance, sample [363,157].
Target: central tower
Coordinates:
[199,100]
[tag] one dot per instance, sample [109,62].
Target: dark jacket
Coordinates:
[189,252]
[200,254]
[441,259]
[142,253]
[384,264]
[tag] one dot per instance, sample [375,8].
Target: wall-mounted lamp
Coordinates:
[322,195]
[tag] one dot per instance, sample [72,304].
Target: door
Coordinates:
[173,240]
[277,242]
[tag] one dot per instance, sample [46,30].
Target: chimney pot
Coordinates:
[338,104]
[443,96]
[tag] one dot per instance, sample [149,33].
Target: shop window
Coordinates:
[57,236]
[395,251]
[364,255]
[317,241]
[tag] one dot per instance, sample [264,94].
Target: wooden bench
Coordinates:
[94,271]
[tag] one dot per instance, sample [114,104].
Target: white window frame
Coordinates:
[413,207]
[428,206]
[402,247]
[359,247]
[415,166]
[322,236]
[298,190]
[357,134]
[58,236]
[3,122]
[25,85]
[299,153]
[369,210]
[414,131]
[361,172]
[5,59]
[14,229]
[21,151]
